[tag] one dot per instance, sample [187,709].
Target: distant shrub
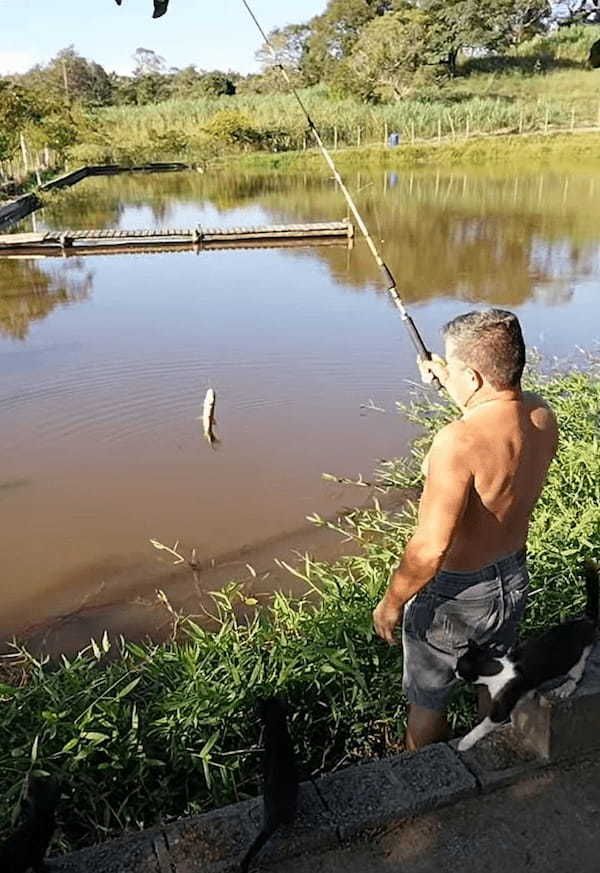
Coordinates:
[565,44]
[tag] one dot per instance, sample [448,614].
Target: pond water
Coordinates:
[105,361]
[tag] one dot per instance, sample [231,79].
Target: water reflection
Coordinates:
[30,291]
[502,240]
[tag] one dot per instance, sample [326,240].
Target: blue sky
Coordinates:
[210,35]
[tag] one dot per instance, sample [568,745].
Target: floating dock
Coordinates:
[55,243]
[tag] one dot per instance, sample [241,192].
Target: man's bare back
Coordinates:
[484,474]
[508,445]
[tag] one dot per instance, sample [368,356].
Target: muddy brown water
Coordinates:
[105,361]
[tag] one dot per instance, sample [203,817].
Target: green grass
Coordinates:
[545,86]
[138,731]
[526,152]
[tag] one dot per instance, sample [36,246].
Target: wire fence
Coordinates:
[153,133]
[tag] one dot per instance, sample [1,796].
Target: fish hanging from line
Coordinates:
[208,417]
[160,7]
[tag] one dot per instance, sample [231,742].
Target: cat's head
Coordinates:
[272,708]
[42,793]
[478,661]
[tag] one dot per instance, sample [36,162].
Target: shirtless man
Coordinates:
[463,574]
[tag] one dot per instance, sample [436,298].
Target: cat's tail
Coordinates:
[592,585]
[263,837]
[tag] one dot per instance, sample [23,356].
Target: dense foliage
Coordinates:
[141,731]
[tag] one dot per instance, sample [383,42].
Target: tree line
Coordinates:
[376,50]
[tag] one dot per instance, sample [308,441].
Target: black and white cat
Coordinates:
[561,651]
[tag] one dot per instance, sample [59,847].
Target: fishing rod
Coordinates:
[392,287]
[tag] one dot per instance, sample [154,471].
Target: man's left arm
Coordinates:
[443,502]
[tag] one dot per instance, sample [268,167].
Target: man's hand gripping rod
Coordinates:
[413,333]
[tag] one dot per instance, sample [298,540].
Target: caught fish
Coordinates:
[208,417]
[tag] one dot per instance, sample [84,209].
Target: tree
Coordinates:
[148,62]
[217,84]
[289,44]
[391,53]
[490,25]
[523,19]
[577,12]
[18,108]
[70,78]
[334,34]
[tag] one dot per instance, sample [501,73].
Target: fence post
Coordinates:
[24,154]
[452,126]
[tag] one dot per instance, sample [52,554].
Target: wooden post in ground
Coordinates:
[452,126]
[24,154]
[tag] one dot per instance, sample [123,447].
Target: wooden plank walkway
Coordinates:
[113,241]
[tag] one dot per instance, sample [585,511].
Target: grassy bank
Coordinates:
[531,94]
[526,151]
[138,731]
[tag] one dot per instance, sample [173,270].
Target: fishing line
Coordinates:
[392,288]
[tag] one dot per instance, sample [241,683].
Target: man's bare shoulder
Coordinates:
[455,438]
[541,412]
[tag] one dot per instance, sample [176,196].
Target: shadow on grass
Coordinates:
[529,65]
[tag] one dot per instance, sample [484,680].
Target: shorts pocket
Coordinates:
[515,602]
[418,615]
[455,621]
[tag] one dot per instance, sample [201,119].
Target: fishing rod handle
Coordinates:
[420,346]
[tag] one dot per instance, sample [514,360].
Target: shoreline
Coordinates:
[127,603]
[529,151]
[525,151]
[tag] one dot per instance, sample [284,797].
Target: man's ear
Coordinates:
[475,378]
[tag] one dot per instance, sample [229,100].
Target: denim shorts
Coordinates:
[483,605]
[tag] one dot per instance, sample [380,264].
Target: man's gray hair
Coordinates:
[490,341]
